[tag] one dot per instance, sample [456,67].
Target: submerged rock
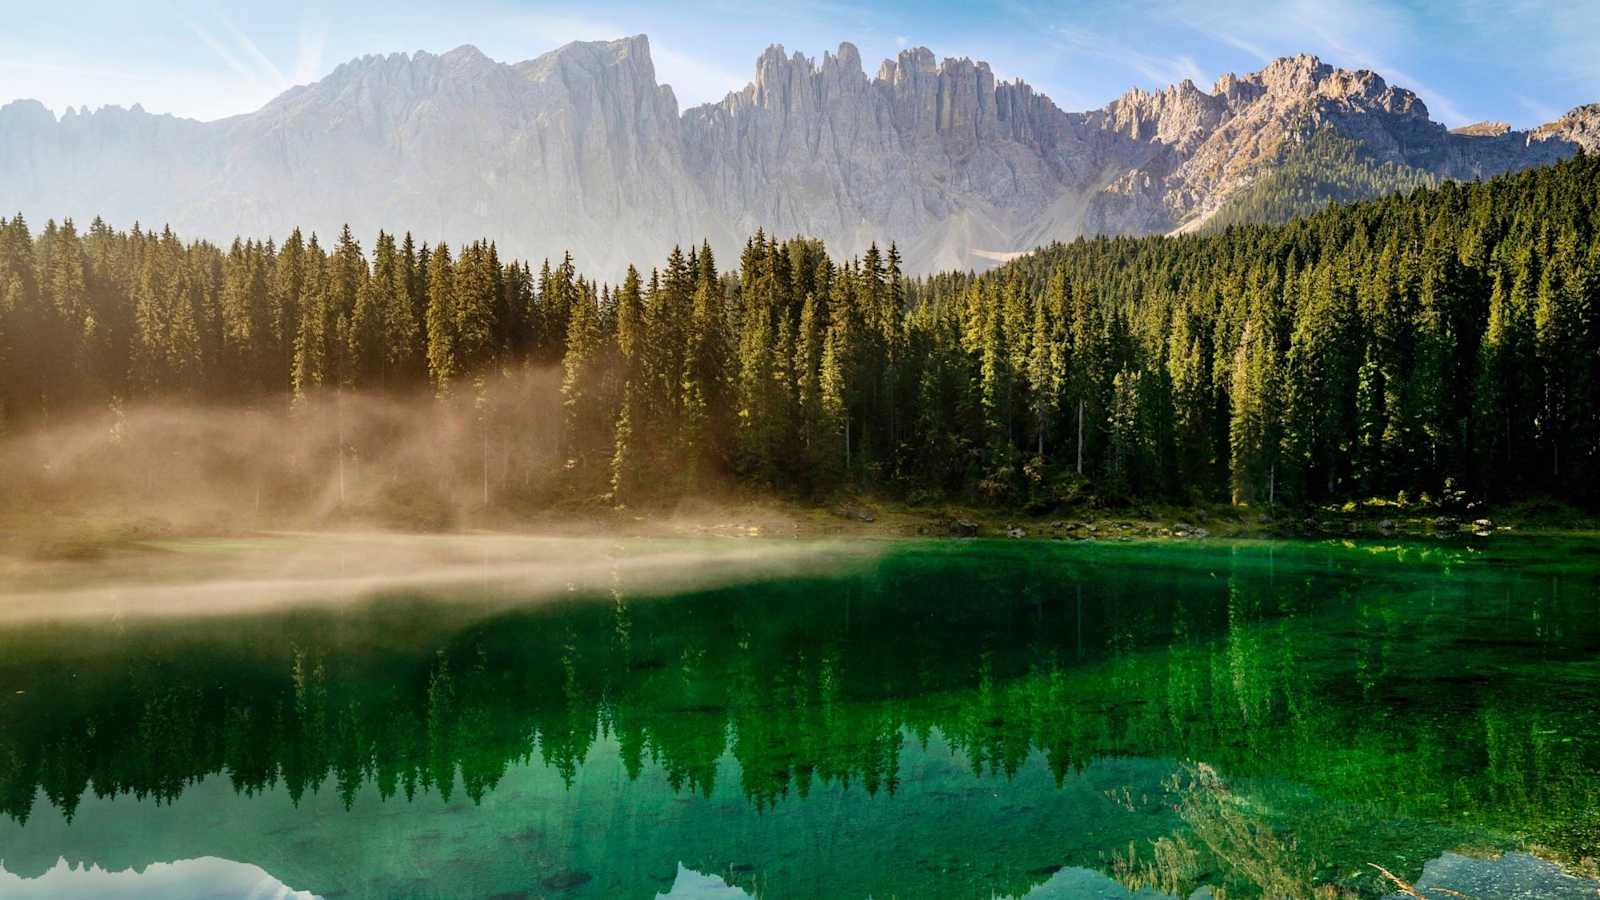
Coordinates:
[1511,876]
[964,528]
[1075,883]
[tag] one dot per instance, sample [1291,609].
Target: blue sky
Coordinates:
[1521,61]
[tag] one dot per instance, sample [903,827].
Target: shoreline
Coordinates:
[71,535]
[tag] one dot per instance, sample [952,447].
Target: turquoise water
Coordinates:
[940,719]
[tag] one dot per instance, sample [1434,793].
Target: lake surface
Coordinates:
[919,719]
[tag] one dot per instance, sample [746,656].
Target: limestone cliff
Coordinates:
[582,148]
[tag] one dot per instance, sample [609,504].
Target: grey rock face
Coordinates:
[581,148]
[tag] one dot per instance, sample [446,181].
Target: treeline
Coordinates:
[106,316]
[1442,342]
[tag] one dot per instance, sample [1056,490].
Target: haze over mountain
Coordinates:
[581,148]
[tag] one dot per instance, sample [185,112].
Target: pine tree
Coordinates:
[246,321]
[1189,374]
[704,385]
[583,413]
[626,480]
[444,357]
[1046,365]
[1255,432]
[1124,464]
[402,328]
[284,294]
[369,338]
[995,387]
[628,463]
[816,441]
[476,295]
[832,381]
[317,326]
[71,320]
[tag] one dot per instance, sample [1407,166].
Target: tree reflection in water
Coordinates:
[1368,704]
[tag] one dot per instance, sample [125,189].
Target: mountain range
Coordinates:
[583,149]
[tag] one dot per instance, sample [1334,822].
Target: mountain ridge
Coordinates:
[583,148]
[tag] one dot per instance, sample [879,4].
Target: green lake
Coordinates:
[917,719]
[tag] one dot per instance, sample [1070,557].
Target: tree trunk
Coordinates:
[338,415]
[1080,437]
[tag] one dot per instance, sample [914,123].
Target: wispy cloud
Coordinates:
[232,58]
[1541,112]
[261,77]
[269,70]
[1154,67]
[308,56]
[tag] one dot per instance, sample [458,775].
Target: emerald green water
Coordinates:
[944,719]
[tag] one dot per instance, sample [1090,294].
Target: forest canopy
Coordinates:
[1441,341]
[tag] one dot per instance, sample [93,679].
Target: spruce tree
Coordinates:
[444,358]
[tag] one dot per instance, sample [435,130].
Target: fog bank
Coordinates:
[492,571]
[410,461]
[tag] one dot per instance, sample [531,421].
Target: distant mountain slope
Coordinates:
[581,148]
[1322,169]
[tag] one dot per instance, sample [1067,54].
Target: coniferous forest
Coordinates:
[1442,342]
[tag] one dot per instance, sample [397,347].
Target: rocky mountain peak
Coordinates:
[1580,126]
[1297,74]
[1483,129]
[847,57]
[629,56]
[583,147]
[464,55]
[25,113]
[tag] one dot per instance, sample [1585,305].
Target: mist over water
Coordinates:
[407,460]
[190,510]
[489,571]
